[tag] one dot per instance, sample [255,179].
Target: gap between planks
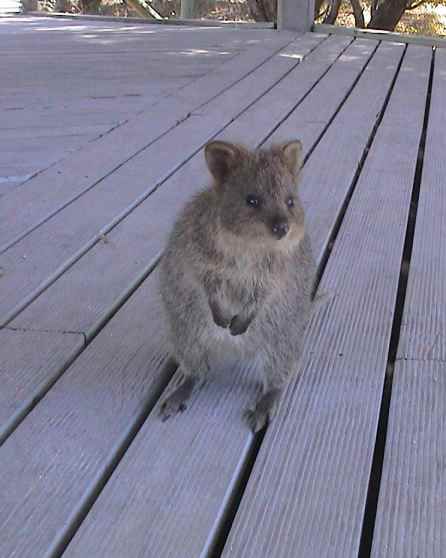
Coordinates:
[159,181]
[256,530]
[85,366]
[166,499]
[93,330]
[184,97]
[410,515]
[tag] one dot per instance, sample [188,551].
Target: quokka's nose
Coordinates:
[280,228]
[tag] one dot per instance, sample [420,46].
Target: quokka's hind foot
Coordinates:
[264,411]
[176,401]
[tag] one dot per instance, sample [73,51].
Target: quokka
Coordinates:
[238,271]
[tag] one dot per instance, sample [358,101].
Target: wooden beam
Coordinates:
[296,15]
[173,21]
[380,35]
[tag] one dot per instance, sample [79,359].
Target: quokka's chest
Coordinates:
[241,281]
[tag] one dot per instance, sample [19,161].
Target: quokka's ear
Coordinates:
[292,155]
[221,158]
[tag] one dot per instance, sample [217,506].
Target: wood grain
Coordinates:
[130,72]
[29,362]
[186,514]
[61,449]
[411,519]
[86,293]
[307,492]
[45,253]
[109,386]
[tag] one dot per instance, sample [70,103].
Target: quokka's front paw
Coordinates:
[239,324]
[222,321]
[220,318]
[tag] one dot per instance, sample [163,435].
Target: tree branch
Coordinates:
[387,15]
[416,5]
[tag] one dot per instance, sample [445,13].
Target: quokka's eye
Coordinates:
[290,202]
[252,201]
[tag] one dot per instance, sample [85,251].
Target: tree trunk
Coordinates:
[90,6]
[263,10]
[387,15]
[358,13]
[332,15]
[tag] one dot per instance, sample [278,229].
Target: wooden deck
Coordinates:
[354,464]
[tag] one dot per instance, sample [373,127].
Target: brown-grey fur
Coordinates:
[228,280]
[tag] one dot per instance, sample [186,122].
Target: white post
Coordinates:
[295,15]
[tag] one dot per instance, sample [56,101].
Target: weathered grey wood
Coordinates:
[60,453]
[68,178]
[405,38]
[113,373]
[309,484]
[44,254]
[140,236]
[126,80]
[29,362]
[84,295]
[309,118]
[177,22]
[424,321]
[195,461]
[295,14]
[326,174]
[411,518]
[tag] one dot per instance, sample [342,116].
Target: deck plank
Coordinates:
[111,385]
[85,295]
[69,178]
[193,449]
[31,362]
[221,403]
[64,446]
[309,483]
[45,253]
[411,518]
[133,67]
[140,237]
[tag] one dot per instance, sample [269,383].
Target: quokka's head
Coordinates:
[258,191]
